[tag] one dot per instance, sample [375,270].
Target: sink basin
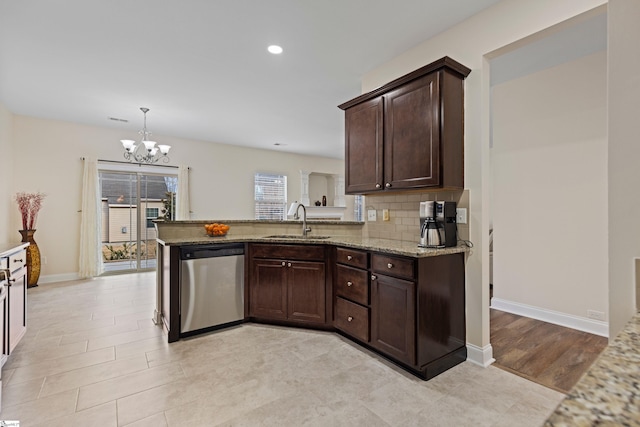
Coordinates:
[296,236]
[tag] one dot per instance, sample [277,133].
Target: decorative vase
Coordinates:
[33,258]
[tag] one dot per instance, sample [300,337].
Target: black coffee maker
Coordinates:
[438,227]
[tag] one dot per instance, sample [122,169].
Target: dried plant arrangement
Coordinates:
[29,205]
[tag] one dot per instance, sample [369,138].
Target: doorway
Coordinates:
[130,202]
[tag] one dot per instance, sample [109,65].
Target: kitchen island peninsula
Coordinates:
[392,297]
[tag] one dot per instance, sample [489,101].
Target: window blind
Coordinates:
[270,196]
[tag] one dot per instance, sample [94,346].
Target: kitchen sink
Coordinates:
[296,236]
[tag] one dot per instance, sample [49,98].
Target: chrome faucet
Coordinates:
[305,229]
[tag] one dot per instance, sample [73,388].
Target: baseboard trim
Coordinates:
[53,278]
[570,321]
[482,356]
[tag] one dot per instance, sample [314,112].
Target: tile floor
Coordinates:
[92,357]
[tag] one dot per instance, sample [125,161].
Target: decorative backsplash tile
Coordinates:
[404,214]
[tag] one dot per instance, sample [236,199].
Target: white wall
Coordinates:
[7,233]
[550,193]
[221,179]
[623,157]
[468,43]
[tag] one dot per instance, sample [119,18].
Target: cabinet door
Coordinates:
[17,304]
[363,147]
[306,291]
[393,317]
[268,289]
[412,136]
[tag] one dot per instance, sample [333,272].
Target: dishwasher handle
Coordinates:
[211,251]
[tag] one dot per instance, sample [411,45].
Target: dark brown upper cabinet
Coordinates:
[409,133]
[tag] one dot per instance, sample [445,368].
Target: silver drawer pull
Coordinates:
[374,277]
[349,257]
[284,263]
[378,185]
[389,265]
[18,260]
[349,283]
[349,319]
[288,264]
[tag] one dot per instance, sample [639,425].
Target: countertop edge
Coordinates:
[9,248]
[608,392]
[395,247]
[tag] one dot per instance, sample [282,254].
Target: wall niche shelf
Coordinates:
[315,185]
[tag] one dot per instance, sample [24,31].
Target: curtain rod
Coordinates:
[139,164]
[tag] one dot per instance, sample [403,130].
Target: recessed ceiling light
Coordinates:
[275,49]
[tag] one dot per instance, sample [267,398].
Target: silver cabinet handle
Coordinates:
[283,263]
[349,319]
[378,185]
[388,185]
[18,260]
[349,257]
[349,284]
[389,265]
[288,264]
[374,277]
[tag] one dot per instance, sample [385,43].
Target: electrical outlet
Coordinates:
[461,215]
[371,215]
[595,315]
[385,214]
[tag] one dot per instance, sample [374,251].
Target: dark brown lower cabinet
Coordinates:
[306,291]
[416,310]
[393,317]
[284,287]
[268,289]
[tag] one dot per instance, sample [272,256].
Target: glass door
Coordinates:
[130,203]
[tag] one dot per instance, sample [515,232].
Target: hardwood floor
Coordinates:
[547,354]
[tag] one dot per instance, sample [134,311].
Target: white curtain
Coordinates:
[91,224]
[182,202]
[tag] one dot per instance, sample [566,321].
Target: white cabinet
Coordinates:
[13,264]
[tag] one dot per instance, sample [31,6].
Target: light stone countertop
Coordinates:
[396,247]
[609,392]
[9,248]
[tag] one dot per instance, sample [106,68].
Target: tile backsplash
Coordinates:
[404,214]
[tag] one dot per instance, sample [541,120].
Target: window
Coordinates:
[152,213]
[270,196]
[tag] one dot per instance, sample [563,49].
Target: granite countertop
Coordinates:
[396,247]
[609,393]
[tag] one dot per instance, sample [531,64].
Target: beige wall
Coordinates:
[550,192]
[7,205]
[221,179]
[469,42]
[623,157]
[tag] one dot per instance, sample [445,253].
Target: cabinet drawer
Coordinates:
[17,260]
[352,257]
[392,266]
[353,284]
[300,252]
[352,319]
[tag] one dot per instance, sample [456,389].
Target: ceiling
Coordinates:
[202,66]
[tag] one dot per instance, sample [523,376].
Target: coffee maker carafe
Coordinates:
[438,224]
[429,233]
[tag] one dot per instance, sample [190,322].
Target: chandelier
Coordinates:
[146,151]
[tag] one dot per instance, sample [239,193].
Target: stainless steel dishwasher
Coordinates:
[211,287]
